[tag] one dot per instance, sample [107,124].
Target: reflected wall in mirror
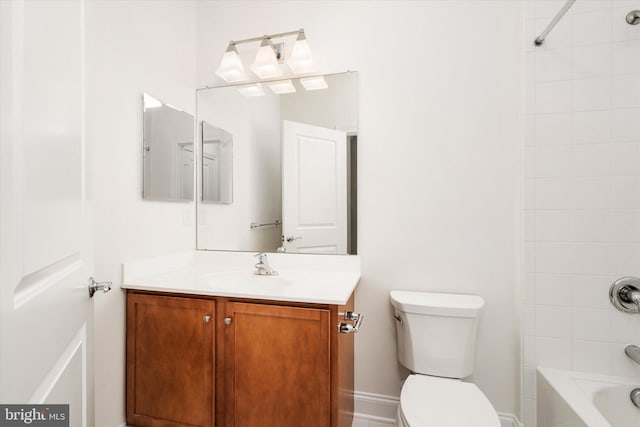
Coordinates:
[217,164]
[294,166]
[167,152]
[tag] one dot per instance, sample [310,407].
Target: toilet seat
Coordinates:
[443,402]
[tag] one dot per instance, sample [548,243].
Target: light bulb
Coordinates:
[231,68]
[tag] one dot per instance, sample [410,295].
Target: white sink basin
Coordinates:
[249,280]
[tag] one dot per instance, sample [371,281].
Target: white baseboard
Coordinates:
[360,420]
[375,406]
[377,410]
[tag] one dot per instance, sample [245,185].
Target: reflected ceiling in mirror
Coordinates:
[293,167]
[167,152]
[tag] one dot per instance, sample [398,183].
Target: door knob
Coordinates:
[292,238]
[98,286]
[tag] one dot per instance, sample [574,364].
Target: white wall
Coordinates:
[582,189]
[132,47]
[439,149]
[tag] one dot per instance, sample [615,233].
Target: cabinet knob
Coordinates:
[227,321]
[206,319]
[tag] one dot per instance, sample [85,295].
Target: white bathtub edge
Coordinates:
[564,384]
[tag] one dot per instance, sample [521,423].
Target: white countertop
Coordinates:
[317,279]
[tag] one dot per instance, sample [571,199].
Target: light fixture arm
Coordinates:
[268,36]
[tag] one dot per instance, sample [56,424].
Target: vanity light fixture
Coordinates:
[282,86]
[269,58]
[314,83]
[251,90]
[231,68]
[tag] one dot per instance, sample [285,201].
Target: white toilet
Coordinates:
[436,341]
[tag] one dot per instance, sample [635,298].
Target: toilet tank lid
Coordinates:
[455,305]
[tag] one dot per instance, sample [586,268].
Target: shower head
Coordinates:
[633,17]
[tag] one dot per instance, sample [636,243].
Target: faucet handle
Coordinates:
[260,256]
[625,294]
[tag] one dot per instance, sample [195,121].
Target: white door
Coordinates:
[314,189]
[45,245]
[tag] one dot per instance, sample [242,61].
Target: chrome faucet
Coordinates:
[262,266]
[633,352]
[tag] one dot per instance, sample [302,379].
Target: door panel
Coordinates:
[46,250]
[70,386]
[314,189]
[269,349]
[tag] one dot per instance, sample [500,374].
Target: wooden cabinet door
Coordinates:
[170,361]
[277,366]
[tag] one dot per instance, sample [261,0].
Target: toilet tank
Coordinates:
[436,332]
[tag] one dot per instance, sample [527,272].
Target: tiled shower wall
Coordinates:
[581,188]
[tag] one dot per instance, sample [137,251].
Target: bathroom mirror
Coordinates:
[291,163]
[167,145]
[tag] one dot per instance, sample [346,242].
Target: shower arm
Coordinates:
[540,39]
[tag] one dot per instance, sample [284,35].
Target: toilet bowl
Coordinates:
[436,336]
[427,401]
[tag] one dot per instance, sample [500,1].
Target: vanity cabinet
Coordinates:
[254,363]
[278,366]
[170,361]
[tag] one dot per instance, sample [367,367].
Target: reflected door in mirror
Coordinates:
[314,189]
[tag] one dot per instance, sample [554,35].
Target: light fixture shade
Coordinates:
[251,90]
[231,68]
[266,65]
[301,59]
[282,86]
[314,83]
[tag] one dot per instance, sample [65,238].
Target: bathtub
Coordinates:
[576,399]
